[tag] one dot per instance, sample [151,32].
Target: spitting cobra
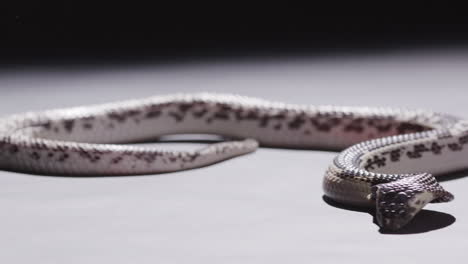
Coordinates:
[389,157]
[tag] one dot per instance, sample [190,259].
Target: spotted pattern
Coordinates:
[416,151]
[85,141]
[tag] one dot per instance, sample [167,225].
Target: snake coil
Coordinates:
[389,157]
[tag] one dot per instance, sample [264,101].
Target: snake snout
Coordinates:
[399,201]
[393,207]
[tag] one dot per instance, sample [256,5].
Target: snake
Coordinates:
[390,157]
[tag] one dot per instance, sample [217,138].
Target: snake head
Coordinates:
[399,201]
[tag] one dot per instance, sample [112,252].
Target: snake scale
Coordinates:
[389,157]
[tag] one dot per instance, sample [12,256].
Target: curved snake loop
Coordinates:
[389,157]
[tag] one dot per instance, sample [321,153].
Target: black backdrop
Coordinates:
[78,32]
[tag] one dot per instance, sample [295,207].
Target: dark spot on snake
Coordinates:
[47,125]
[221,115]
[87,126]
[177,117]
[35,155]
[200,114]
[335,121]
[395,155]
[63,157]
[61,148]
[297,122]
[116,160]
[153,114]
[194,156]
[225,107]
[354,126]
[128,153]
[185,107]
[320,125]
[375,161]
[264,121]
[279,116]
[116,116]
[455,147]
[405,127]
[463,140]
[420,148]
[358,120]
[251,115]
[86,155]
[413,155]
[122,116]
[383,128]
[38,145]
[133,112]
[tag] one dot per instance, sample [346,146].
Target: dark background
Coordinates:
[78,32]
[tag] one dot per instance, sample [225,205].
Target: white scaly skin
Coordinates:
[384,170]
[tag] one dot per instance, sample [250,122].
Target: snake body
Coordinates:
[389,160]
